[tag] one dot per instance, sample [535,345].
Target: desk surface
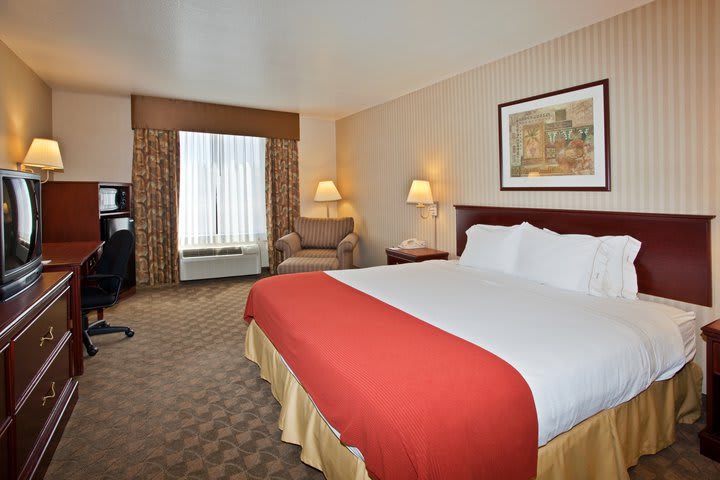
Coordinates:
[69,253]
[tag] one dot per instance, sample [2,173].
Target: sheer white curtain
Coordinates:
[222,189]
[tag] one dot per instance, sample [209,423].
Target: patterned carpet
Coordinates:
[179,400]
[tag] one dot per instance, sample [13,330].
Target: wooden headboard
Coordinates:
[674,261]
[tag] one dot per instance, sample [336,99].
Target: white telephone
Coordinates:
[411,243]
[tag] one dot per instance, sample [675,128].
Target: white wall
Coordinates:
[94,134]
[316,151]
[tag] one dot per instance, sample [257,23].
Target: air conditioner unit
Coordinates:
[218,262]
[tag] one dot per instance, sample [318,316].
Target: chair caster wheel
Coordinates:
[92,351]
[129,332]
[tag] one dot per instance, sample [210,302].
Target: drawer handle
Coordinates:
[52,394]
[49,337]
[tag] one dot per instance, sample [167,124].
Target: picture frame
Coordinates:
[557,141]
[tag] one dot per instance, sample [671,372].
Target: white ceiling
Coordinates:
[323,58]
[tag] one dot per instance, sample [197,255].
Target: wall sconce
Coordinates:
[327,192]
[43,153]
[421,195]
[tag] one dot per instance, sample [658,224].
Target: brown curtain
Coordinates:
[155,177]
[282,192]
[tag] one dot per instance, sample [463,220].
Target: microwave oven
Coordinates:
[113,199]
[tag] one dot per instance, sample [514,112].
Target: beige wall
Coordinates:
[316,151]
[95,137]
[97,143]
[25,108]
[662,62]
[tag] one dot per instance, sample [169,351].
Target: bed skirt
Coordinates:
[603,446]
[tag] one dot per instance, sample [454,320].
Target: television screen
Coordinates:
[20,222]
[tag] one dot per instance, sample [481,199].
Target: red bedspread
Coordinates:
[418,402]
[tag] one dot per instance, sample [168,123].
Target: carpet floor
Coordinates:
[179,400]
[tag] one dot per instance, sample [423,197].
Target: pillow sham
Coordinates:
[570,262]
[621,277]
[493,247]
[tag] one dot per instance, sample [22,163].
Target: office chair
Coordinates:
[102,289]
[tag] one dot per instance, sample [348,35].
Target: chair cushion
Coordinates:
[93,297]
[323,232]
[317,253]
[307,264]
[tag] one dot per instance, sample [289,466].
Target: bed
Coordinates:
[598,433]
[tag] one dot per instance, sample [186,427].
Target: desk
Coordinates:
[79,258]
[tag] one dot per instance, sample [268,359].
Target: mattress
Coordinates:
[578,353]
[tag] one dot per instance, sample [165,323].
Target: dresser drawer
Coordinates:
[5,455]
[33,346]
[3,387]
[33,414]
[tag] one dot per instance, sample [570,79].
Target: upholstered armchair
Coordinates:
[318,244]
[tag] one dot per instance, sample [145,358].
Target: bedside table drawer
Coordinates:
[34,345]
[715,347]
[36,410]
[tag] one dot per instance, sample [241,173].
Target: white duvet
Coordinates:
[578,353]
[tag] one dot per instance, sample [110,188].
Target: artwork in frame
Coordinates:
[556,141]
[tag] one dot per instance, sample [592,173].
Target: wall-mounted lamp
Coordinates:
[421,195]
[327,192]
[44,154]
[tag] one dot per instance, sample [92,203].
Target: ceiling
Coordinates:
[322,58]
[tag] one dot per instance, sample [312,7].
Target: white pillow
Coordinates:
[621,277]
[493,247]
[570,262]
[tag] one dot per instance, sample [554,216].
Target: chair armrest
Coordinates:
[289,244]
[345,250]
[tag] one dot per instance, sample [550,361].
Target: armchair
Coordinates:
[318,244]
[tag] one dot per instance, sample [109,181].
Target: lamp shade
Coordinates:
[44,153]
[327,192]
[420,193]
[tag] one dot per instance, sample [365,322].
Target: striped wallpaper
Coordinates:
[663,66]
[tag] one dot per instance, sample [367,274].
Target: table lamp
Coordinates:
[327,192]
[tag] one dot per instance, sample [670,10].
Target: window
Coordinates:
[222,189]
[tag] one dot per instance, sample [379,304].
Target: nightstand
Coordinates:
[399,255]
[710,436]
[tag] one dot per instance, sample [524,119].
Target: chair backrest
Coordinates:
[323,232]
[116,254]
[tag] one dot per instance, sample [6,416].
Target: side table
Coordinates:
[710,436]
[401,255]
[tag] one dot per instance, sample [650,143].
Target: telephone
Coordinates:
[412,243]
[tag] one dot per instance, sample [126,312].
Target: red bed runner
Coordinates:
[418,402]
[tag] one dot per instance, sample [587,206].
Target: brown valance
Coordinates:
[168,114]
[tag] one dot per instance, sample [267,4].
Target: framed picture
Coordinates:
[556,141]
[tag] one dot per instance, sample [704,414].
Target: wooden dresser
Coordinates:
[37,389]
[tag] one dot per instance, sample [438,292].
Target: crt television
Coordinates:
[20,235]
